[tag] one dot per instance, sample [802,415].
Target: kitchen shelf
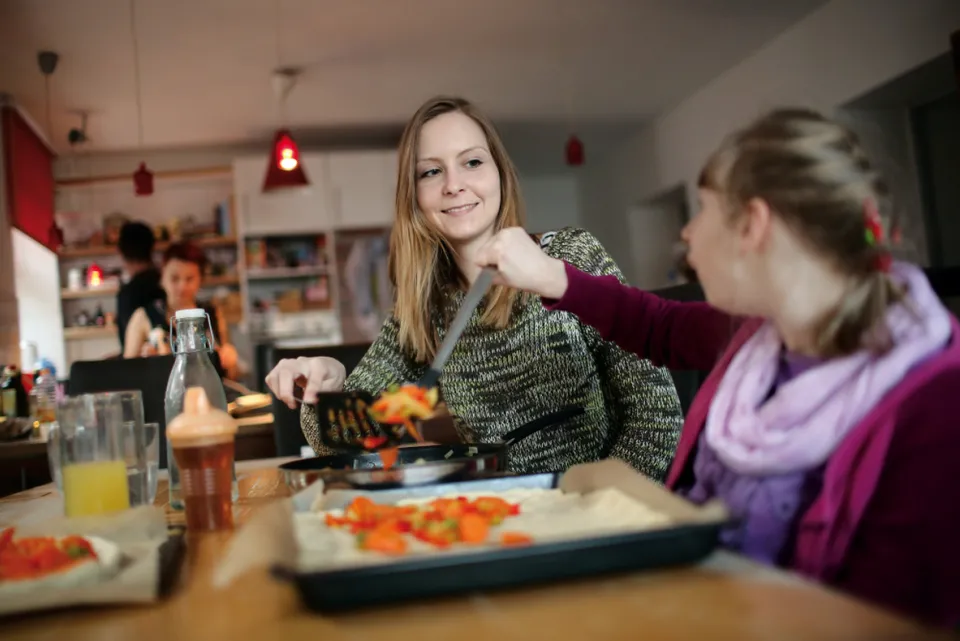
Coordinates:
[107,291]
[81,333]
[157,175]
[278,273]
[67,253]
[220,281]
[94,292]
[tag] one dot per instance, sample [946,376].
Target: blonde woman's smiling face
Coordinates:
[458,182]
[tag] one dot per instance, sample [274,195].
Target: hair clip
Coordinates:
[874,235]
[873,224]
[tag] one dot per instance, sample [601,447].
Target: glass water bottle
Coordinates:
[192,346]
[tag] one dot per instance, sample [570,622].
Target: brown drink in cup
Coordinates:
[202,439]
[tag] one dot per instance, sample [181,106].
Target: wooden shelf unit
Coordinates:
[204,172]
[205,242]
[96,331]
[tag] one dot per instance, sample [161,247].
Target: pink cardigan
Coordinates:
[886,524]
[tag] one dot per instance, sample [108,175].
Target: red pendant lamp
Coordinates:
[285,169]
[574,152]
[143,181]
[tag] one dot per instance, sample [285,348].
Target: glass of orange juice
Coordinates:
[92,463]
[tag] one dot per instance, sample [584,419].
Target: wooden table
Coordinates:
[724,598]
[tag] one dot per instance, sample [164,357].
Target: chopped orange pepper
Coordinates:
[383,539]
[515,538]
[400,404]
[440,523]
[388,456]
[473,528]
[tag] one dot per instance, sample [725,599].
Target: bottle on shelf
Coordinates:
[43,400]
[13,396]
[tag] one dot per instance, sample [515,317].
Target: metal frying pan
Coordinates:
[417,464]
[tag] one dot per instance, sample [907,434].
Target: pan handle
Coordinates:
[543,422]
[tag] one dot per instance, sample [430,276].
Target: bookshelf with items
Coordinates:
[313,263]
[190,206]
[287,275]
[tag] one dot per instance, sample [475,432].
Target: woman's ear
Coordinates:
[757,219]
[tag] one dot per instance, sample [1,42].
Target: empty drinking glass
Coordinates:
[135,441]
[141,447]
[53,453]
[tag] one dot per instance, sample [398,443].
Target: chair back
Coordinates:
[148,375]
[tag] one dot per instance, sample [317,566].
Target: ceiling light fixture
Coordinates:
[574,151]
[142,177]
[284,170]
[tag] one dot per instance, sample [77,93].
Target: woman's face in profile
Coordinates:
[458,183]
[180,279]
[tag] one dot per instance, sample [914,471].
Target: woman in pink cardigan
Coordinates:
[829,424]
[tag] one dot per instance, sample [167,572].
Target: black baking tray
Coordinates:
[346,589]
[172,553]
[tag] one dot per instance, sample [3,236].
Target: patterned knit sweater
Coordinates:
[497,380]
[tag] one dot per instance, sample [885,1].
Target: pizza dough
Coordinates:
[547,515]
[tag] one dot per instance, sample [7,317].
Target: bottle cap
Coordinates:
[190,313]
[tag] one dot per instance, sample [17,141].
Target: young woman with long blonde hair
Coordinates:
[515,361]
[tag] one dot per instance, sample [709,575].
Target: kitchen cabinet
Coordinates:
[362,185]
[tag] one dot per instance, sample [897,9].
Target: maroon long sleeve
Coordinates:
[905,553]
[677,335]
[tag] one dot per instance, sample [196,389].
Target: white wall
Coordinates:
[830,57]
[37,282]
[551,194]
[552,200]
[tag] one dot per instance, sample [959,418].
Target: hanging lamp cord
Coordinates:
[136,68]
[279,42]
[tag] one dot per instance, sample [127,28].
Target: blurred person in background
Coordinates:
[142,288]
[181,279]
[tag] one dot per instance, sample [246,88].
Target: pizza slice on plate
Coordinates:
[57,562]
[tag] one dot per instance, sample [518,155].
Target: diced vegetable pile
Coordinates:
[441,523]
[400,405]
[31,557]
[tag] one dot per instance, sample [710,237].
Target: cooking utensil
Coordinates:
[418,464]
[345,425]
[474,295]
[342,419]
